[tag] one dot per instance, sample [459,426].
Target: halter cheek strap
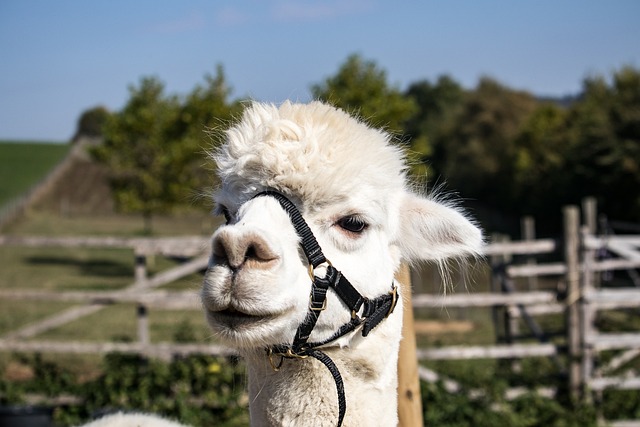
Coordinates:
[374,310]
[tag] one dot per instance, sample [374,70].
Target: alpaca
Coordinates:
[120,419]
[265,291]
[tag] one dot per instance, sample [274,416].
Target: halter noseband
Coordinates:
[373,310]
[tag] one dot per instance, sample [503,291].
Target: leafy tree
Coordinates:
[437,105]
[477,155]
[204,112]
[207,108]
[541,168]
[91,122]
[144,161]
[604,132]
[154,146]
[361,88]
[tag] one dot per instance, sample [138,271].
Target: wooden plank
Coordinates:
[160,350]
[543,310]
[622,423]
[620,383]
[484,299]
[608,299]
[618,361]
[185,269]
[184,246]
[615,264]
[597,242]
[69,242]
[488,352]
[550,269]
[624,250]
[53,322]
[409,396]
[168,300]
[541,246]
[602,342]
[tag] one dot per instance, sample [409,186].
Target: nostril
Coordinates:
[251,253]
[258,253]
[219,252]
[244,250]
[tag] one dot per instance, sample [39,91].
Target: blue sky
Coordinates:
[60,57]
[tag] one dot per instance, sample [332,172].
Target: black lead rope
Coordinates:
[373,313]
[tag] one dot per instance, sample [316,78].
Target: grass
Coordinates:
[23,164]
[60,269]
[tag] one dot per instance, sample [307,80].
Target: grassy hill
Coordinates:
[24,164]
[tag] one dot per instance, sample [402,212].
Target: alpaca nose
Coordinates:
[246,250]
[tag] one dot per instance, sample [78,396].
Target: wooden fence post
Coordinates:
[528,232]
[588,283]
[143,325]
[140,269]
[409,397]
[571,217]
[587,316]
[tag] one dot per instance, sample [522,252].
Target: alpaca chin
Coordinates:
[250,331]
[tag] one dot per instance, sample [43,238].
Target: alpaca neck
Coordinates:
[303,391]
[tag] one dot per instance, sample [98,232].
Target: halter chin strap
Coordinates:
[374,310]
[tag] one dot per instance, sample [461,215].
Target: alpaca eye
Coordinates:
[352,224]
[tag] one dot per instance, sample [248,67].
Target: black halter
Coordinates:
[373,310]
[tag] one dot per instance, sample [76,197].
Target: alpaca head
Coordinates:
[349,183]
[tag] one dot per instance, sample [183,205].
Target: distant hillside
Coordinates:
[24,164]
[81,188]
[58,178]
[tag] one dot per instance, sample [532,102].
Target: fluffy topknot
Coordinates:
[313,151]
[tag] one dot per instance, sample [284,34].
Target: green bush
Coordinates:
[442,408]
[197,390]
[207,390]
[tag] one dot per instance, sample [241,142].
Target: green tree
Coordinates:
[541,169]
[155,146]
[437,104]
[143,159]
[361,88]
[205,111]
[207,108]
[477,155]
[604,133]
[91,122]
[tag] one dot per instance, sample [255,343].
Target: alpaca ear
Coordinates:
[429,230]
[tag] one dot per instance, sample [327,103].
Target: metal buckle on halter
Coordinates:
[289,354]
[394,301]
[312,308]
[312,269]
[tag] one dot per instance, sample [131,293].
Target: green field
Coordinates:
[23,164]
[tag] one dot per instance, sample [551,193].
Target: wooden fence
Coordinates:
[580,297]
[142,291]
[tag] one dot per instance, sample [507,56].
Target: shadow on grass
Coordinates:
[92,267]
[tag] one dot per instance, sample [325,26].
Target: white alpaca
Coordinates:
[120,419]
[349,183]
